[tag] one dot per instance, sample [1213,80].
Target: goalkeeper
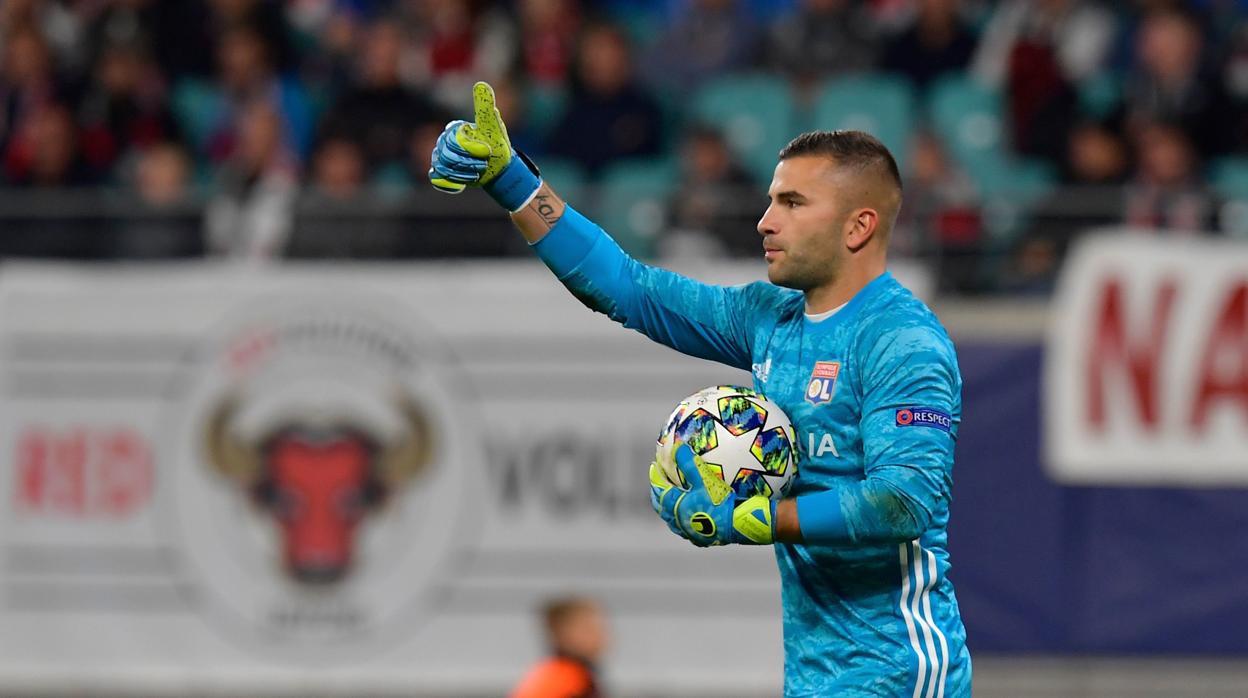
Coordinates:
[863,369]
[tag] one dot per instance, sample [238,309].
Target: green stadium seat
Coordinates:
[1229,177]
[197,108]
[543,105]
[969,119]
[757,114]
[567,177]
[1100,94]
[640,24]
[632,202]
[882,105]
[672,106]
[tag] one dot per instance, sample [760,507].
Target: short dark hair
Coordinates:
[557,611]
[858,150]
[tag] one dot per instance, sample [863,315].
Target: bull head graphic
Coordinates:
[318,480]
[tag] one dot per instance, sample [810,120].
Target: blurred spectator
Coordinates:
[247,74]
[707,38]
[1097,166]
[608,116]
[185,34]
[378,112]
[102,91]
[338,170]
[822,38]
[250,217]
[327,25]
[264,17]
[27,86]
[1166,191]
[338,218]
[46,152]
[162,176]
[165,221]
[125,109]
[1039,51]
[548,30]
[1095,170]
[44,155]
[456,43]
[940,219]
[131,23]
[1171,83]
[712,212]
[61,25]
[1032,267]
[936,42]
[576,633]
[327,35]
[1095,155]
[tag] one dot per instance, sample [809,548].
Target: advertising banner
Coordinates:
[172,437]
[364,478]
[1146,372]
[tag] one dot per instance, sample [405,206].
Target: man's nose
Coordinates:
[766,226]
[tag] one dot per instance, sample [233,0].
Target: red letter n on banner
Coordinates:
[1224,365]
[1138,354]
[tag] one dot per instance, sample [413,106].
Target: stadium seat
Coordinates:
[756,113]
[197,109]
[969,119]
[1100,94]
[882,105]
[640,22]
[632,202]
[565,176]
[543,106]
[1229,177]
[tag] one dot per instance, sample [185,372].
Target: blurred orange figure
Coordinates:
[576,630]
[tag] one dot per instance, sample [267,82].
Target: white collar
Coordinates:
[820,317]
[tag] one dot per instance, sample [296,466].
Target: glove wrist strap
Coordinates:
[515,185]
[754,521]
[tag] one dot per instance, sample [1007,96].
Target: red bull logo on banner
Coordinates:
[321,479]
[319,482]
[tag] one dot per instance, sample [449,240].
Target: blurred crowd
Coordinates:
[232,113]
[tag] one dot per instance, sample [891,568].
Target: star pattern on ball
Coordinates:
[728,450]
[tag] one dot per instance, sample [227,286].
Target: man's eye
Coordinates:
[791,204]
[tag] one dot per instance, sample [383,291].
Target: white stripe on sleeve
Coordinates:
[927,609]
[922,588]
[904,553]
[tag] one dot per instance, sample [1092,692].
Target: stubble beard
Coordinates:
[806,277]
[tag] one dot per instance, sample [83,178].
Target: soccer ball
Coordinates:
[744,437]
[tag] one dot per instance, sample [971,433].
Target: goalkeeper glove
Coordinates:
[480,154]
[704,509]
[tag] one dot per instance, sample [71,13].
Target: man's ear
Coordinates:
[861,227]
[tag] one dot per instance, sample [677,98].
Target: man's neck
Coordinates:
[844,288]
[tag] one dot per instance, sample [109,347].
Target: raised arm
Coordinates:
[710,322]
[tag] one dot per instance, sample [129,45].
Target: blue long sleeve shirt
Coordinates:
[874,393]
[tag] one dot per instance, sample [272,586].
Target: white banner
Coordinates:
[159,527]
[1146,372]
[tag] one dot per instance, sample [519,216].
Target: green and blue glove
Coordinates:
[480,154]
[704,509]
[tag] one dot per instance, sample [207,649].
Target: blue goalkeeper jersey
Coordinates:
[874,393]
